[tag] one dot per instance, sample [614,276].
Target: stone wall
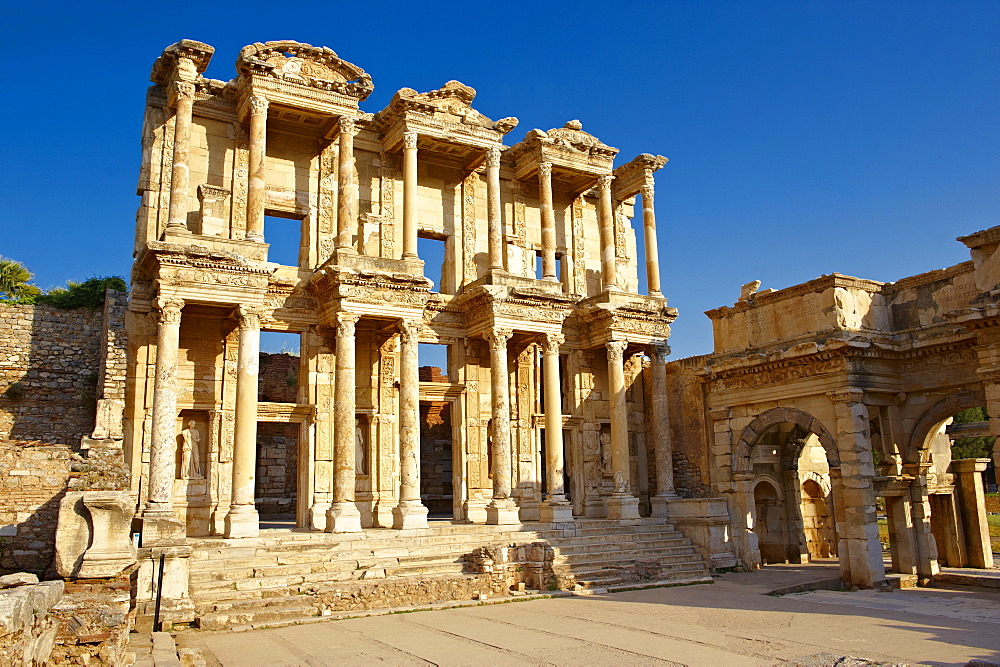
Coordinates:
[279,378]
[688,427]
[52,368]
[277,477]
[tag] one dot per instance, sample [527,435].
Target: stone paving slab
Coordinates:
[733,622]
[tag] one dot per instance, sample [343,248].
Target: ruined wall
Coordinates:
[277,464]
[55,364]
[279,378]
[688,429]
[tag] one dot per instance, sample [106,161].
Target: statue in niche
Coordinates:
[607,466]
[191,452]
[360,464]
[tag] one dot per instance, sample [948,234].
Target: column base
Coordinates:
[556,511]
[217,520]
[623,507]
[659,504]
[242,521]
[475,511]
[161,527]
[382,514]
[343,518]
[256,238]
[165,568]
[409,514]
[317,516]
[502,512]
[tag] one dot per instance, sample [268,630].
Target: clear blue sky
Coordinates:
[804,137]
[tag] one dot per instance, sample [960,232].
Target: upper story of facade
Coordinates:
[285,150]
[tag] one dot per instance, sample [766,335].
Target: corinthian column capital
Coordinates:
[170,310]
[258,105]
[182,90]
[551,342]
[409,330]
[348,126]
[493,157]
[497,338]
[659,353]
[249,317]
[346,322]
[409,139]
[544,169]
[616,350]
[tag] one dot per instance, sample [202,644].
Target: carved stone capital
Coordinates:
[497,338]
[659,353]
[348,126]
[647,192]
[409,139]
[170,310]
[182,90]
[604,181]
[258,105]
[551,342]
[544,169]
[409,330]
[492,157]
[847,396]
[346,323]
[249,317]
[616,350]
[990,374]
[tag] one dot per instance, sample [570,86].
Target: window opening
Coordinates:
[278,379]
[432,251]
[283,233]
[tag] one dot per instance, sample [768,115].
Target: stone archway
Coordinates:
[937,413]
[773,417]
[769,519]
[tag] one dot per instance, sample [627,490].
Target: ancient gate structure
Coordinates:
[869,374]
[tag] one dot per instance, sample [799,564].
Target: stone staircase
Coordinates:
[283,576]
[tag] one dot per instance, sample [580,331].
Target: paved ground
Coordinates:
[731,622]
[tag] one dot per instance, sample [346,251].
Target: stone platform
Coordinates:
[285,575]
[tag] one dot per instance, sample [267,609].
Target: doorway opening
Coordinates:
[276,483]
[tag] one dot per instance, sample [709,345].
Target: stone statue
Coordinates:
[359,449]
[606,463]
[191,452]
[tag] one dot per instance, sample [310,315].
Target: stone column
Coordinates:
[969,484]
[343,516]
[902,547]
[256,190]
[920,511]
[243,520]
[501,510]
[410,512]
[605,213]
[862,565]
[409,195]
[183,94]
[548,222]
[494,215]
[347,190]
[649,228]
[621,503]
[555,507]
[160,523]
[660,431]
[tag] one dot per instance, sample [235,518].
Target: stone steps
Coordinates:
[280,577]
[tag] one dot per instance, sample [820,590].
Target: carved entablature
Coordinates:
[200,275]
[577,157]
[184,60]
[487,307]
[305,65]
[642,321]
[441,117]
[633,176]
[369,293]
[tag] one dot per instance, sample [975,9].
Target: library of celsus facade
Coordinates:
[555,373]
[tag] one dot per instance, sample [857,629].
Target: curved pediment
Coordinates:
[313,66]
[452,101]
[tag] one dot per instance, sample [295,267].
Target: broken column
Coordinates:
[972,503]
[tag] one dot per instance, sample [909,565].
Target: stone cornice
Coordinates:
[981,238]
[929,277]
[816,285]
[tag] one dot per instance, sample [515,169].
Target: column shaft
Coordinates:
[410,513]
[494,217]
[621,504]
[660,430]
[410,195]
[346,196]
[502,509]
[972,501]
[555,507]
[343,515]
[163,447]
[652,254]
[243,520]
[180,172]
[257,186]
[609,268]
[548,222]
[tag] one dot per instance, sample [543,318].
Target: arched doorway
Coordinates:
[769,521]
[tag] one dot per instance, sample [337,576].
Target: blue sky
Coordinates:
[804,137]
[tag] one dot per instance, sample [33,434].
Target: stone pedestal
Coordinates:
[168,565]
[972,503]
[623,506]
[502,512]
[557,512]
[343,517]
[409,514]
[475,511]
[111,549]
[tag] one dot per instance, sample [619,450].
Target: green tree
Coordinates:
[972,448]
[88,294]
[15,285]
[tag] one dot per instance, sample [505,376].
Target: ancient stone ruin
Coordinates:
[549,445]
